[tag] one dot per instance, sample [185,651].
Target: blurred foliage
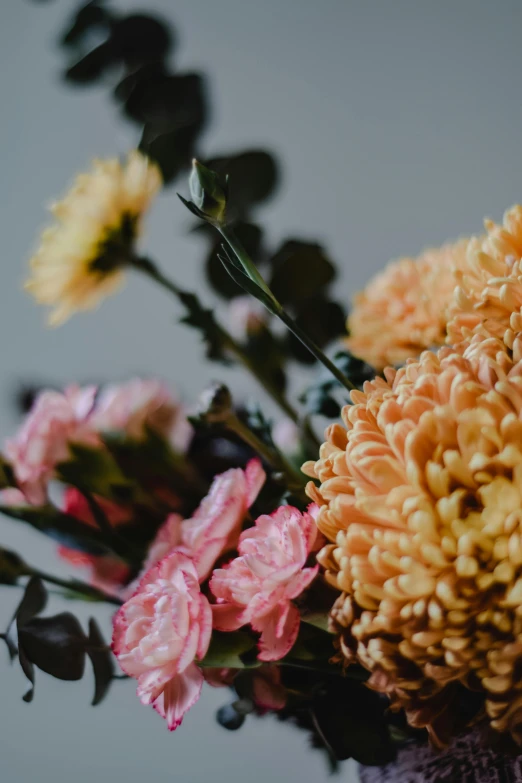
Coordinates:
[56,645]
[134,56]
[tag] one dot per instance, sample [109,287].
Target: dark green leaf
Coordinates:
[91,16]
[93,469]
[12,567]
[167,103]
[93,66]
[202,319]
[323,321]
[28,670]
[300,271]
[32,603]
[102,662]
[140,38]
[172,151]
[56,645]
[351,720]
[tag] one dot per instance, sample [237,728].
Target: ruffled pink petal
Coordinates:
[255,478]
[206,556]
[226,617]
[179,695]
[205,628]
[277,641]
[301,581]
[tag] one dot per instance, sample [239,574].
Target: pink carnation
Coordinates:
[160,631]
[55,420]
[216,524]
[139,404]
[258,587]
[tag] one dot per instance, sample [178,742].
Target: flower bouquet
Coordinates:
[365,585]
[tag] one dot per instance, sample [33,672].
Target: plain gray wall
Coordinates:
[399,125]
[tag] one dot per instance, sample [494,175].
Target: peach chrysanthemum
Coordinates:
[403,310]
[421,493]
[488,298]
[81,257]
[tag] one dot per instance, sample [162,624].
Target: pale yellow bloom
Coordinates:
[82,256]
[403,310]
[420,493]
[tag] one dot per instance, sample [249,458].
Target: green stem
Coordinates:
[246,262]
[315,350]
[76,587]
[151,270]
[278,310]
[272,456]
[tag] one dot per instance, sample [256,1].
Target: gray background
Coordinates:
[399,124]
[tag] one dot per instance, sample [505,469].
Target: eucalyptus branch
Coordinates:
[225,339]
[209,202]
[271,455]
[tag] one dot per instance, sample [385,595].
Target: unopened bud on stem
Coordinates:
[208,193]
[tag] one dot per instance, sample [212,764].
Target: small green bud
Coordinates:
[209,194]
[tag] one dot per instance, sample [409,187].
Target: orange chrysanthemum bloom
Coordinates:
[488,299]
[420,494]
[403,310]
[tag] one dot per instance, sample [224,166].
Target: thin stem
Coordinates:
[76,587]
[271,455]
[278,310]
[315,350]
[151,270]
[246,262]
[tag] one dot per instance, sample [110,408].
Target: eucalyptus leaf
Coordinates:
[56,645]
[102,661]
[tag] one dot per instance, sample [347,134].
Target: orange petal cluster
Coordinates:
[488,299]
[420,495]
[403,310]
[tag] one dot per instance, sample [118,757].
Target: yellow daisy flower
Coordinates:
[82,256]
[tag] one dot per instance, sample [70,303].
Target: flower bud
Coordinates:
[208,193]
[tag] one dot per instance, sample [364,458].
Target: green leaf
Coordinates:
[102,662]
[250,237]
[245,282]
[94,470]
[300,271]
[226,649]
[317,619]
[32,603]
[56,645]
[202,319]
[12,567]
